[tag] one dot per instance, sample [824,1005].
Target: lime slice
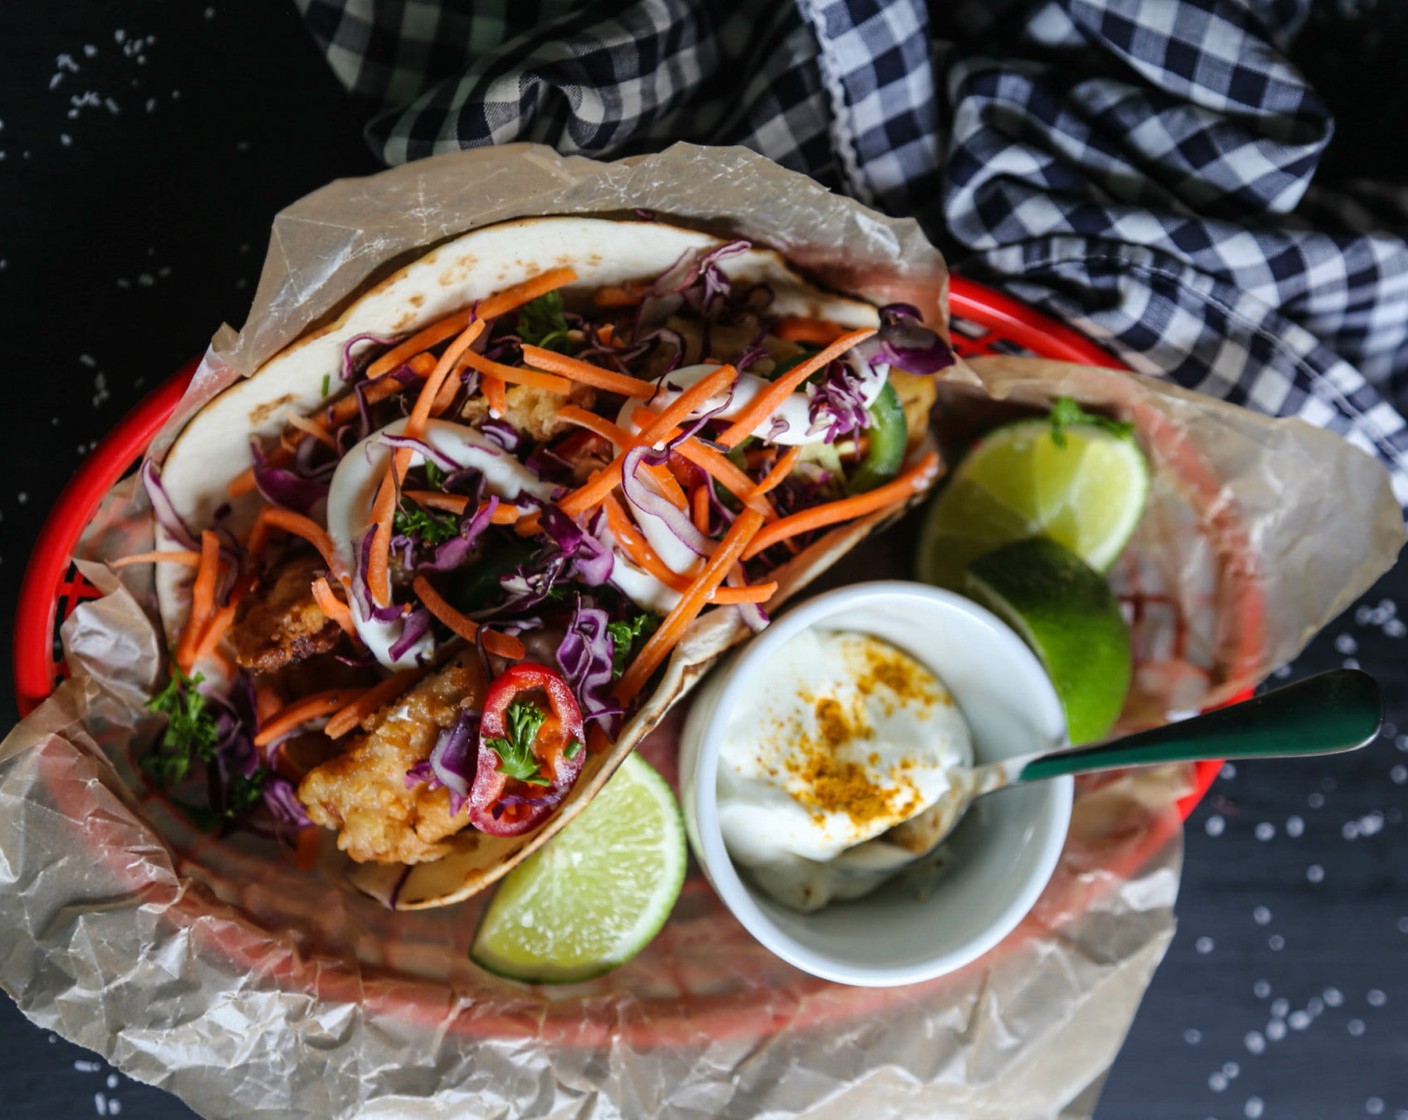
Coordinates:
[1017,482]
[595,896]
[1064,609]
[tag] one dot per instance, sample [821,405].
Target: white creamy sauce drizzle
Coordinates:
[795,424]
[782,763]
[353,489]
[794,430]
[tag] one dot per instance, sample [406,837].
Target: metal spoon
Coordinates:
[1325,714]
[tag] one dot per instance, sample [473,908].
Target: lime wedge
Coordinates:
[1017,482]
[1064,609]
[595,896]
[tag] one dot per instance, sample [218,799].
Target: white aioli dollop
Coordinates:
[840,737]
[353,489]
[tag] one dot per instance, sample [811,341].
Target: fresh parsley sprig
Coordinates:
[192,730]
[542,324]
[421,524]
[516,758]
[623,638]
[1066,412]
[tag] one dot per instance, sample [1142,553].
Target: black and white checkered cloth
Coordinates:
[1140,168]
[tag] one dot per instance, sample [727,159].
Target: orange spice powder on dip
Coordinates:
[841,737]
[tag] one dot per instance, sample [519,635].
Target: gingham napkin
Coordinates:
[1141,168]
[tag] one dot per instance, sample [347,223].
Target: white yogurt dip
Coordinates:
[840,738]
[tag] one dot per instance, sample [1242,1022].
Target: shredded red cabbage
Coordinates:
[453,761]
[501,432]
[349,368]
[165,512]
[414,627]
[283,487]
[905,342]
[453,553]
[585,656]
[423,449]
[648,503]
[836,404]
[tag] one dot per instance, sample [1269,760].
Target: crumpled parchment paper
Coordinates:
[212,967]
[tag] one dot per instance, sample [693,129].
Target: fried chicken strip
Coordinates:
[362,793]
[279,622]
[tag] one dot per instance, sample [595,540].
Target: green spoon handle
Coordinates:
[1324,714]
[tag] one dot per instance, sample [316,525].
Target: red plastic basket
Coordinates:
[984,321]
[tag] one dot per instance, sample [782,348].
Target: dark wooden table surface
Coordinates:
[144,148]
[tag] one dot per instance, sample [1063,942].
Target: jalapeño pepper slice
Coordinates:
[888,434]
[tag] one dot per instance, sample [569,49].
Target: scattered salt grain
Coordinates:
[1265,831]
[1214,825]
[1376,998]
[1204,945]
[1315,873]
[1256,1042]
[1295,827]
[1261,916]
[1355,1027]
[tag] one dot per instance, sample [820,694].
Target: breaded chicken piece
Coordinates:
[279,622]
[362,793]
[532,410]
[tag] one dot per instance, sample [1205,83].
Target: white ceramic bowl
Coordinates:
[1002,853]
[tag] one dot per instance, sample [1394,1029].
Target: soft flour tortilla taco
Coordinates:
[456,552]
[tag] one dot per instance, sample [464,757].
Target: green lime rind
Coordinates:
[596,895]
[1064,609]
[1085,490]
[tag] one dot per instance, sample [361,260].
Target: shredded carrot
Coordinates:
[311,427]
[490,308]
[517,375]
[892,493]
[625,295]
[493,389]
[718,467]
[420,412]
[510,299]
[770,399]
[216,628]
[797,328]
[372,700]
[588,374]
[383,514]
[667,636]
[202,599]
[750,593]
[634,544]
[295,523]
[699,507]
[665,482]
[598,425]
[181,556]
[603,482]
[781,469]
[305,848]
[505,513]
[333,607]
[302,711]
[502,645]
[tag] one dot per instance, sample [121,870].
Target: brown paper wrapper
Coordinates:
[212,967]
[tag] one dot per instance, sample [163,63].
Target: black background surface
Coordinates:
[144,148]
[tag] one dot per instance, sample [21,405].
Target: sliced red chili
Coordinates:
[531,749]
